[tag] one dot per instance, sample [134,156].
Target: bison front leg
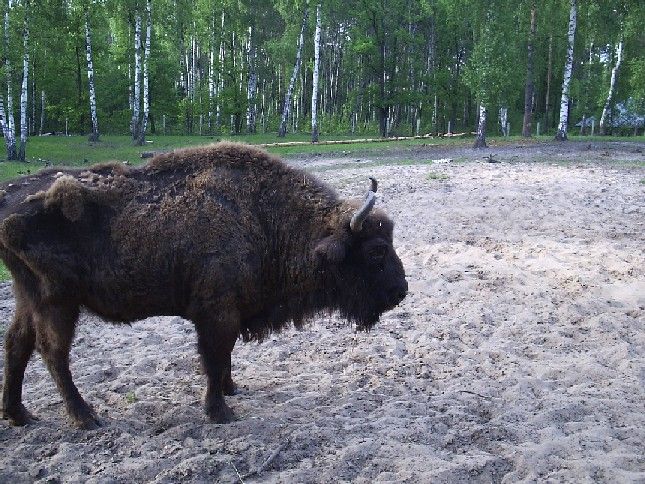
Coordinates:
[19,346]
[229,387]
[55,332]
[215,342]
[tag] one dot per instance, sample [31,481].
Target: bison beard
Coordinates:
[226,236]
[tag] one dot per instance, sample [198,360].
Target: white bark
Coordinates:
[480,140]
[141,138]
[503,120]
[220,84]
[183,63]
[32,118]
[136,95]
[435,114]
[612,89]
[10,134]
[3,118]
[90,79]
[193,67]
[287,99]
[23,93]
[211,79]
[251,111]
[568,68]
[314,89]
[211,86]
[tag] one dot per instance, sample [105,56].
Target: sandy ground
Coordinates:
[518,355]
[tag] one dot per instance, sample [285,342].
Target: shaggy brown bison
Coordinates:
[226,236]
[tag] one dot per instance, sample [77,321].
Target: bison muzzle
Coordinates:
[225,236]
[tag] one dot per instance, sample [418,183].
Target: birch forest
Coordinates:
[383,68]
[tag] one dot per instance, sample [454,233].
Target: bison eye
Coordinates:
[377,253]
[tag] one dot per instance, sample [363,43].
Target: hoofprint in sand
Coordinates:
[517,356]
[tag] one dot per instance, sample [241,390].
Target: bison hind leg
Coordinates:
[19,346]
[55,332]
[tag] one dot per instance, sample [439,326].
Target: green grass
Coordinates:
[77,151]
[433,175]
[5,275]
[13,169]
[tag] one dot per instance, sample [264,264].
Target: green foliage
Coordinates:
[492,69]
[404,63]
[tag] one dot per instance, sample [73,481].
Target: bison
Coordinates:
[226,236]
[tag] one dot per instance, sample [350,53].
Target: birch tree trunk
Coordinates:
[25,83]
[94,136]
[10,138]
[435,117]
[136,95]
[193,66]
[3,115]
[143,124]
[528,88]
[287,99]
[3,118]
[561,135]
[42,113]
[220,84]
[503,120]
[314,89]
[612,89]
[480,140]
[251,86]
[32,120]
[211,79]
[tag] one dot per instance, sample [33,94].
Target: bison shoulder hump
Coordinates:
[205,157]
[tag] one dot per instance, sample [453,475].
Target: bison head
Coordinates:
[364,275]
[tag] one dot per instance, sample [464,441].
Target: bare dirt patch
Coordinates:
[517,356]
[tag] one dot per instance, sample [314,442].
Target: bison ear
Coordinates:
[330,249]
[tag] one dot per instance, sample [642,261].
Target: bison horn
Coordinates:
[356,224]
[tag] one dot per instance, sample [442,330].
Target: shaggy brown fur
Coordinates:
[225,235]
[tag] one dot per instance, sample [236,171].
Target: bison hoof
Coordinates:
[220,414]
[230,388]
[85,419]
[19,416]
